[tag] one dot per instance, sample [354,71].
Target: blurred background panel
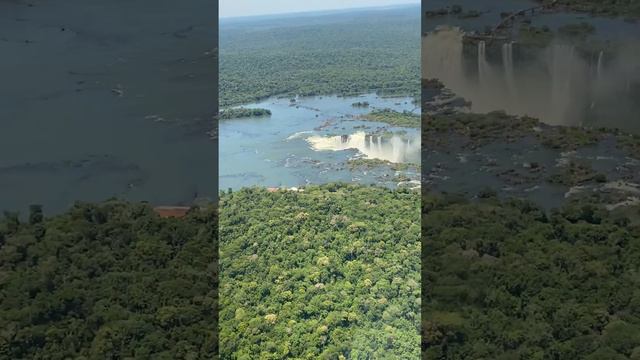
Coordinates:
[531,166]
[102,99]
[107,98]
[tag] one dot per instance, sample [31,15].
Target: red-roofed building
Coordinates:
[171,211]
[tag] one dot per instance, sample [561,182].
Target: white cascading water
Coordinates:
[556,86]
[442,57]
[507,61]
[599,67]
[483,65]
[395,150]
[598,79]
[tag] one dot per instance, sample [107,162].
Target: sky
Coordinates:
[233,8]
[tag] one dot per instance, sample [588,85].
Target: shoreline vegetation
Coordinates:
[373,163]
[242,112]
[453,10]
[482,129]
[360,104]
[394,118]
[578,33]
[628,9]
[473,131]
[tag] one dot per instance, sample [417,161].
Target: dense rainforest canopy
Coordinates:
[112,280]
[345,54]
[329,273]
[505,280]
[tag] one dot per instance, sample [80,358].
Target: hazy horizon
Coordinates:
[246,8]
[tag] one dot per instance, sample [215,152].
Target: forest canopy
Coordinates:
[505,280]
[328,273]
[112,280]
[325,55]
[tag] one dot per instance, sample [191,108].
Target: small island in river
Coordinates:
[392,117]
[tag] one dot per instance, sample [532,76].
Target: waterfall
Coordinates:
[442,56]
[570,68]
[599,67]
[507,60]
[557,84]
[597,80]
[482,62]
[395,150]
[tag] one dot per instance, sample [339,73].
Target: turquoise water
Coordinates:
[311,140]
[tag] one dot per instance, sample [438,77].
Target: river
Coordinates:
[312,140]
